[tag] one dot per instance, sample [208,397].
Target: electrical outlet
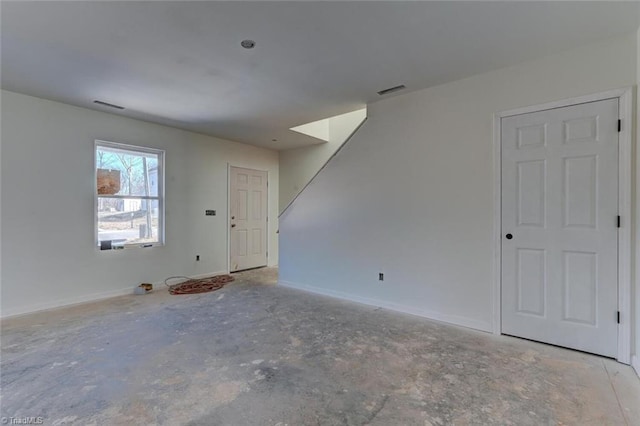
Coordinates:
[197,257]
[209,212]
[380,276]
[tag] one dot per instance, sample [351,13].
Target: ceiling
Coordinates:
[181,63]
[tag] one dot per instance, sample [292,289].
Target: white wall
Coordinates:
[299,165]
[49,257]
[411,194]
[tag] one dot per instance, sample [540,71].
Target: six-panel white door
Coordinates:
[559,226]
[247,218]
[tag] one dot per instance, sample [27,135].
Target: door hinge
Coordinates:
[618,221]
[618,317]
[619,126]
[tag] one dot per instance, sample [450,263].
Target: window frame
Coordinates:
[160,197]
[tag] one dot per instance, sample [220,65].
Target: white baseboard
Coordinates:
[437,316]
[635,363]
[38,307]
[94,297]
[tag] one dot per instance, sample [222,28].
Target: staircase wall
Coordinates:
[411,195]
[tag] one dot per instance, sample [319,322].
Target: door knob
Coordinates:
[509,236]
[233,225]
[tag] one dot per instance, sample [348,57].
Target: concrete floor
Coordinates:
[257,354]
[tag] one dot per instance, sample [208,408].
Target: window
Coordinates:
[129,196]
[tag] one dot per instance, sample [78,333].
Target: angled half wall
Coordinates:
[299,165]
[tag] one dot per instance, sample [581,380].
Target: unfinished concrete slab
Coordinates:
[254,353]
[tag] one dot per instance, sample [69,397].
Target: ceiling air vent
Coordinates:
[391,90]
[108,105]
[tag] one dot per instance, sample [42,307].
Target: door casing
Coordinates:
[624,96]
[229,166]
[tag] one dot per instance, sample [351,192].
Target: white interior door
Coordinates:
[247,218]
[559,226]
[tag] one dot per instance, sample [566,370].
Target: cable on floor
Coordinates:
[197,285]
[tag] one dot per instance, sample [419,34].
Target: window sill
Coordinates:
[131,246]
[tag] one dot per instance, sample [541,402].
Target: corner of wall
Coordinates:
[636,322]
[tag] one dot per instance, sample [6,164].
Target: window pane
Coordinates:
[124,172]
[128,221]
